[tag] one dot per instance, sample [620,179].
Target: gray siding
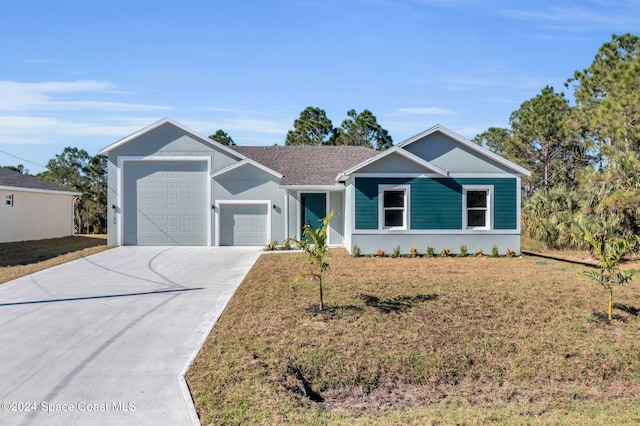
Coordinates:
[336,227]
[250,183]
[370,243]
[450,155]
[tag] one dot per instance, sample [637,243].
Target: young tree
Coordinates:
[311,128]
[314,244]
[362,130]
[222,137]
[610,249]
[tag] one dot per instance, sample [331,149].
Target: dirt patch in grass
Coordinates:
[421,341]
[26,257]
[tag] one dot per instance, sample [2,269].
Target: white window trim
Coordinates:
[8,200]
[489,223]
[391,187]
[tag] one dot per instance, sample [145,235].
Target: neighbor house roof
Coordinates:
[307,165]
[12,180]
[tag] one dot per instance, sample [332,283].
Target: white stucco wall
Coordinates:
[35,216]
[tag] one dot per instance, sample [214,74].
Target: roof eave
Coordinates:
[105,151]
[467,143]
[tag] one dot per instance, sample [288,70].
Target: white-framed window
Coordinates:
[8,200]
[393,211]
[477,201]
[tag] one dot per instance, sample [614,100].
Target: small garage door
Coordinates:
[164,203]
[243,224]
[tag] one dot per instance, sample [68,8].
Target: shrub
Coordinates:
[414,252]
[271,246]
[396,252]
[494,251]
[380,253]
[430,252]
[479,253]
[445,252]
[290,243]
[355,252]
[510,253]
[463,251]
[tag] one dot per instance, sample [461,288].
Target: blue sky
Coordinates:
[88,73]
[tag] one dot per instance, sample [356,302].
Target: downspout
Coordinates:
[73,214]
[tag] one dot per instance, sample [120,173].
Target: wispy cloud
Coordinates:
[26,129]
[460,84]
[579,15]
[55,95]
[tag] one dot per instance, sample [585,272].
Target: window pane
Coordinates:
[394,218]
[476,218]
[394,198]
[476,198]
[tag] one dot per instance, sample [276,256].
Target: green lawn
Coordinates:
[421,341]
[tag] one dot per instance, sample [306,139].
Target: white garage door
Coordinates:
[164,203]
[243,224]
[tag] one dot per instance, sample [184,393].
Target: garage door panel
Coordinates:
[243,224]
[159,196]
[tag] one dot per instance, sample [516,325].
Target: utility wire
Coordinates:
[23,159]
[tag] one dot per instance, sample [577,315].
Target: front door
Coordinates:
[313,209]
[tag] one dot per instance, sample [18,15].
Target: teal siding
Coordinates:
[436,203]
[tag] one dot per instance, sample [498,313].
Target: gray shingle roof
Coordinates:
[307,165]
[17,180]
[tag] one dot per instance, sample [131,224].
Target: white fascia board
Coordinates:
[468,144]
[246,161]
[393,150]
[167,120]
[43,191]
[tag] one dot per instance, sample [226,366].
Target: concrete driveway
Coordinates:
[107,339]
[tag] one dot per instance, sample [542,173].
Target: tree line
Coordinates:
[585,156]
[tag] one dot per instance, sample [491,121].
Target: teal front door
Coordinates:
[313,210]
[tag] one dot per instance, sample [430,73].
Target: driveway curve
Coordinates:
[107,339]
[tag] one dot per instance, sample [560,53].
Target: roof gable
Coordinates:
[243,163]
[169,123]
[13,180]
[457,154]
[395,160]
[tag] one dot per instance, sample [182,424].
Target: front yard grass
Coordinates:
[26,257]
[467,341]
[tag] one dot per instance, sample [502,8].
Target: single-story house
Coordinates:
[33,209]
[169,185]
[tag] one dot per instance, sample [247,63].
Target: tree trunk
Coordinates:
[321,299]
[610,310]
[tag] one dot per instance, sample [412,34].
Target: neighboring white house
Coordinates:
[32,209]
